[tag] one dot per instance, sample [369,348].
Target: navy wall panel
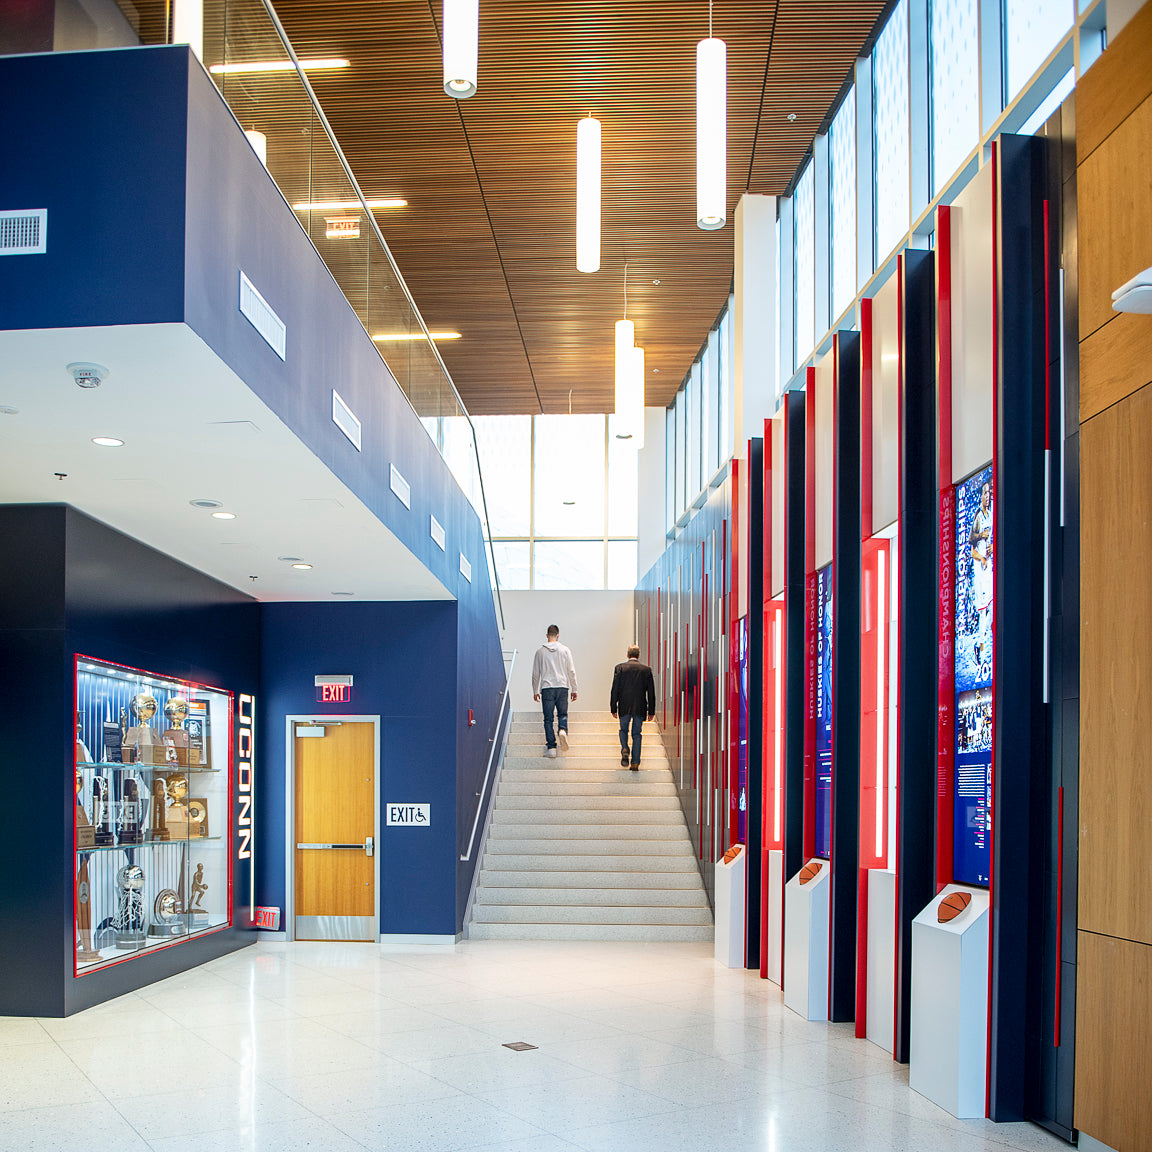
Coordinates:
[403,658]
[105,156]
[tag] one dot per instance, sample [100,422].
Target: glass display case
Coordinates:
[152,814]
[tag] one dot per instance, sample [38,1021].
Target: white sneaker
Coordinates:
[563,736]
[551,753]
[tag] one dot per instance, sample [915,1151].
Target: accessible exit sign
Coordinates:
[333,693]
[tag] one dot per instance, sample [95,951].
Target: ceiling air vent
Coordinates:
[23,232]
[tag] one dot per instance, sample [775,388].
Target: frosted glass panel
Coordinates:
[569,472]
[670,501]
[693,437]
[513,563]
[955,63]
[724,392]
[842,203]
[505,444]
[461,459]
[805,265]
[1032,29]
[890,130]
[569,564]
[622,564]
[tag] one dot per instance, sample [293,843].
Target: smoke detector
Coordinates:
[88,375]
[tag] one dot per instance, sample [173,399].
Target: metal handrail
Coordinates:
[491,755]
[275,19]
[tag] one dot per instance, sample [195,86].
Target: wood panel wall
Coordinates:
[1114,978]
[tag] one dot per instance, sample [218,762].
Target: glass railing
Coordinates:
[307,164]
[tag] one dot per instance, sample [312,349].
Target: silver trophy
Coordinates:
[128,922]
[166,918]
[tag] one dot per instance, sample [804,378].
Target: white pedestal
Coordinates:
[730,917]
[948,1056]
[806,944]
[775,964]
[881,957]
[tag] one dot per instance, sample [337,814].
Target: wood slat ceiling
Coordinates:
[487,241]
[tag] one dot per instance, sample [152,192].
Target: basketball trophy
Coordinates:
[128,922]
[139,741]
[166,918]
[197,917]
[175,736]
[102,812]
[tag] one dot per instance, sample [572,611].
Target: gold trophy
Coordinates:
[159,804]
[139,741]
[84,950]
[85,833]
[176,816]
[197,916]
[175,736]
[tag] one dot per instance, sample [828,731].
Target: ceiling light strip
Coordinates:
[276,66]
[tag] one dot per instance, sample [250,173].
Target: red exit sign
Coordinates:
[333,693]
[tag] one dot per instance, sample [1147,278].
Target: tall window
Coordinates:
[955,65]
[562,501]
[890,131]
[842,203]
[805,264]
[1032,28]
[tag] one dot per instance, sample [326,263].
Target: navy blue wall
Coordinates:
[70,584]
[403,657]
[104,154]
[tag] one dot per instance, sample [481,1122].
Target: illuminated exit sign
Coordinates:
[333,689]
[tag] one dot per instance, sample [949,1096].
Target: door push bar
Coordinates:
[368,847]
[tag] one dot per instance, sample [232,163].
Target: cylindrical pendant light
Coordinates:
[711,133]
[460,34]
[259,144]
[588,195]
[625,343]
[635,417]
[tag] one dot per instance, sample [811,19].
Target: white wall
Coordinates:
[650,496]
[597,626]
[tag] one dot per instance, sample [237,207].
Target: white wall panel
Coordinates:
[886,405]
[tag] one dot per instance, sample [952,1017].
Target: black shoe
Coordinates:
[623,759]
[635,767]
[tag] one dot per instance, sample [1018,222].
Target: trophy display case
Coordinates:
[152,814]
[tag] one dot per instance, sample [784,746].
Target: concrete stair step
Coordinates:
[502,829]
[552,789]
[587,914]
[634,846]
[579,751]
[599,897]
[516,774]
[654,933]
[493,878]
[513,857]
[622,801]
[605,818]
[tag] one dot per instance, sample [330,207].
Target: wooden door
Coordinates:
[335,894]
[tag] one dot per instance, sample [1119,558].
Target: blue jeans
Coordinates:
[554,698]
[636,722]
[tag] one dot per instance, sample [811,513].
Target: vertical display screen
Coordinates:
[972,818]
[823,813]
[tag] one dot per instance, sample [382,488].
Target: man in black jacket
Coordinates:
[633,697]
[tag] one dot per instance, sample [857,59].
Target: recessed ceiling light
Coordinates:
[224,515]
[107,441]
[655,281]
[336,205]
[205,503]
[791,117]
[8,410]
[656,370]
[302,567]
[416,336]
[277,66]
[290,559]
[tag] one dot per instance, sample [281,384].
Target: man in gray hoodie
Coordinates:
[553,678]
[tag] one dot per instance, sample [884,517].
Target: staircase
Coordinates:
[580,848]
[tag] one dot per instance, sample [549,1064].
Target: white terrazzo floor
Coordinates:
[342,1047]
